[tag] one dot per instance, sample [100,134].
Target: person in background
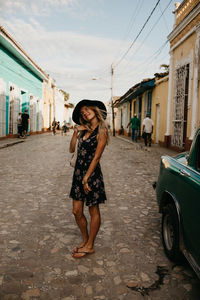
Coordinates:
[147,129]
[25,123]
[58,125]
[135,125]
[54,123]
[19,125]
[64,127]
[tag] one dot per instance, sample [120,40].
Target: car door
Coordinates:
[190,203]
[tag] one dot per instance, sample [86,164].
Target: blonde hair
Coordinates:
[101,122]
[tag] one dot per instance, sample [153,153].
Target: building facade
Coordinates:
[137,100]
[59,106]
[20,87]
[49,91]
[183,110]
[159,109]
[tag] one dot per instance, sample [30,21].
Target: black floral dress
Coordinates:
[85,154]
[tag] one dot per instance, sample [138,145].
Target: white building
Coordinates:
[59,106]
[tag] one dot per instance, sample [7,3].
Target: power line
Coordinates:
[126,34]
[131,23]
[148,34]
[165,22]
[149,60]
[138,34]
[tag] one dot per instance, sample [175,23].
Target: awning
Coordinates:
[137,90]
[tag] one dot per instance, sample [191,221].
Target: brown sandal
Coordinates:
[81,254]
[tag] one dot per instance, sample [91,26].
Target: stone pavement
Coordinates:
[38,231]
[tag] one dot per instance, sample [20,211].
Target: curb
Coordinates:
[136,145]
[11,144]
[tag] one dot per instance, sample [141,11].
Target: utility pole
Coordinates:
[113,116]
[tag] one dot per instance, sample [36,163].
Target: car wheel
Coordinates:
[170,233]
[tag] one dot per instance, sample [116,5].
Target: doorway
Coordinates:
[157,122]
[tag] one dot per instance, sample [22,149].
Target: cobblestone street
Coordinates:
[38,230]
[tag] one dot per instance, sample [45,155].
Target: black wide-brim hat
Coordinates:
[85,102]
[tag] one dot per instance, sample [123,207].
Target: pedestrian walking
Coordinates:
[58,125]
[64,127]
[147,129]
[25,122]
[135,125]
[19,125]
[54,123]
[91,133]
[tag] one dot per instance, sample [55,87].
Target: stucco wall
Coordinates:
[48,113]
[182,55]
[24,81]
[159,103]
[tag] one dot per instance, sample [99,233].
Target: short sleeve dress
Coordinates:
[85,155]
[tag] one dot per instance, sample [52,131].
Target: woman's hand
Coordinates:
[86,187]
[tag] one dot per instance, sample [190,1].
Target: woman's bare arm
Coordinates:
[75,135]
[73,141]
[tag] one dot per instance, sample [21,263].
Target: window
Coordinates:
[147,104]
[149,100]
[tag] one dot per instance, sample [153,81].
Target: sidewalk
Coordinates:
[8,142]
[139,145]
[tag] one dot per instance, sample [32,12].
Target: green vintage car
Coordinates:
[178,196]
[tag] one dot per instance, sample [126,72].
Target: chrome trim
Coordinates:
[184,173]
[186,166]
[192,262]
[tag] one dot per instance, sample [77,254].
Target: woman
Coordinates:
[88,185]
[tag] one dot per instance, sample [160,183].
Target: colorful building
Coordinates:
[183,109]
[137,100]
[21,87]
[159,108]
[49,91]
[59,106]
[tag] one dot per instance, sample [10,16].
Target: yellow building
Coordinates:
[183,108]
[159,109]
[49,89]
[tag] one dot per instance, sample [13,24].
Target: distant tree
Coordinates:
[66,95]
[163,74]
[71,105]
[165,67]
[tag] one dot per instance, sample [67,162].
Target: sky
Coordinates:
[77,41]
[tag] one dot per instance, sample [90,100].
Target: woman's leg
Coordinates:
[80,220]
[94,228]
[94,225]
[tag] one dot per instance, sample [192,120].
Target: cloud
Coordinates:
[73,59]
[58,49]
[36,7]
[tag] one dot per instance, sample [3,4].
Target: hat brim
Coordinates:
[85,102]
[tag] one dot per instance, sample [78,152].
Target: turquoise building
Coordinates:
[21,87]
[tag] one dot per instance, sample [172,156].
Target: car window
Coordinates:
[198,154]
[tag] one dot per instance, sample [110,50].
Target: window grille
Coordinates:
[180,106]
